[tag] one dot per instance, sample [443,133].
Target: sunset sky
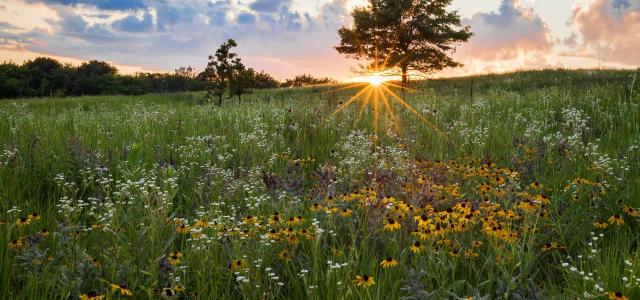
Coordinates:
[290,37]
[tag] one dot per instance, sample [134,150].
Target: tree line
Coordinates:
[224,75]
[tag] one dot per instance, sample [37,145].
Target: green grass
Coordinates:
[130,166]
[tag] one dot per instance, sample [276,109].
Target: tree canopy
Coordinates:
[405,35]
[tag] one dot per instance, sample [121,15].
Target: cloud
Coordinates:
[246,18]
[506,34]
[609,30]
[134,24]
[8,26]
[269,6]
[101,4]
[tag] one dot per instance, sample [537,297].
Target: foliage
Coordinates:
[410,35]
[522,194]
[305,80]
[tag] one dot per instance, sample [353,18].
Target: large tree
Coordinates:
[405,35]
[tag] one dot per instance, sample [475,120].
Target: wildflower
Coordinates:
[184,229]
[471,253]
[178,288]
[391,225]
[23,221]
[536,185]
[346,212]
[15,244]
[616,219]
[201,224]
[275,219]
[124,291]
[617,296]
[285,255]
[416,247]
[93,295]
[316,207]
[389,262]
[236,265]
[34,217]
[632,211]
[168,292]
[476,244]
[454,253]
[364,281]
[600,224]
[550,246]
[174,258]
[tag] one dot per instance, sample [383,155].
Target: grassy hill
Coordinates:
[528,187]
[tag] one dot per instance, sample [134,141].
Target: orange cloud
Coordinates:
[610,30]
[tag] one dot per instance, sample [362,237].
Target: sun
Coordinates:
[376,80]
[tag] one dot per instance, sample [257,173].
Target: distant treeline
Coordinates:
[47,77]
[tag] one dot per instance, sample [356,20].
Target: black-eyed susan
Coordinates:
[316,207]
[617,296]
[183,229]
[454,253]
[34,217]
[364,281]
[15,244]
[201,223]
[391,225]
[23,221]
[476,244]
[237,264]
[175,258]
[388,262]
[416,247]
[632,211]
[616,220]
[285,255]
[600,224]
[168,292]
[345,212]
[178,288]
[551,246]
[121,289]
[275,219]
[92,295]
[470,253]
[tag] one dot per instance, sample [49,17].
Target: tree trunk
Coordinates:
[239,98]
[405,77]
[220,100]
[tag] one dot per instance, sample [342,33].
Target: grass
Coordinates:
[510,188]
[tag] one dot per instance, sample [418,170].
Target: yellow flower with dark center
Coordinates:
[122,289]
[178,288]
[391,225]
[454,253]
[632,211]
[285,255]
[34,217]
[416,247]
[616,220]
[275,219]
[23,221]
[15,244]
[168,292]
[470,253]
[476,244]
[364,281]
[389,262]
[536,185]
[600,224]
[617,296]
[316,207]
[550,246]
[237,265]
[201,224]
[184,229]
[174,258]
[346,212]
[93,295]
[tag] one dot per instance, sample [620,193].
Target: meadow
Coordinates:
[527,186]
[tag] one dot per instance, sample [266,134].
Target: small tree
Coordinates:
[242,79]
[220,69]
[408,35]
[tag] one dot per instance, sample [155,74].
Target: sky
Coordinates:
[292,37]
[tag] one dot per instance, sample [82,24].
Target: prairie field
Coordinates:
[517,186]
